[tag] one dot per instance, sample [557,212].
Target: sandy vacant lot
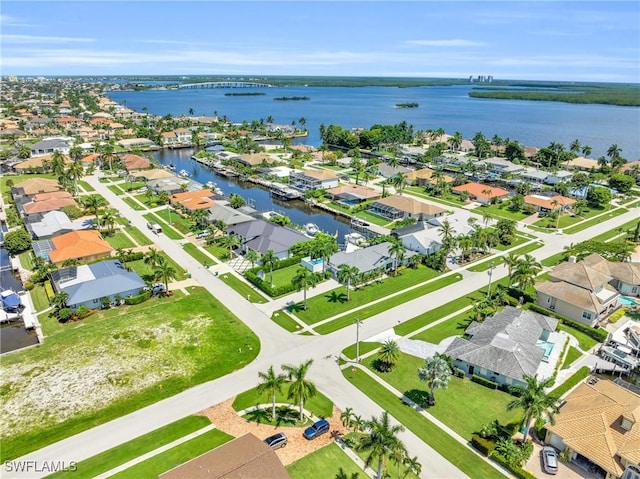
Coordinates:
[227,420]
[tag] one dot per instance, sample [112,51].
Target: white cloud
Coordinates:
[454,42]
[9,21]
[29,39]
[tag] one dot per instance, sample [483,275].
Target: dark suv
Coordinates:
[316,429]
[276,441]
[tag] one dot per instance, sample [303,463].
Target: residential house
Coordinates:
[560,176]
[136,143]
[581,163]
[504,347]
[49,146]
[133,162]
[387,171]
[500,167]
[169,185]
[261,236]
[599,427]
[400,207]
[420,237]
[244,457]
[313,179]
[76,245]
[56,223]
[546,204]
[581,291]
[31,208]
[368,259]
[351,195]
[193,200]
[33,186]
[41,162]
[86,285]
[632,168]
[251,160]
[221,211]
[483,194]
[153,174]
[424,177]
[533,176]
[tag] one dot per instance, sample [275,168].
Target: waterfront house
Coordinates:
[425,177]
[350,195]
[368,259]
[133,162]
[261,236]
[56,223]
[77,245]
[154,174]
[581,163]
[177,137]
[400,207]
[504,347]
[500,167]
[169,185]
[49,146]
[483,194]
[86,285]
[559,176]
[193,200]
[136,143]
[313,179]
[251,160]
[221,211]
[599,428]
[420,237]
[546,204]
[37,163]
[534,176]
[387,171]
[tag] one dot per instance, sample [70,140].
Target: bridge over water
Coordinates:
[225,84]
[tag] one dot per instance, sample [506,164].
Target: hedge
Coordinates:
[265,286]
[516,293]
[517,471]
[141,298]
[485,382]
[600,335]
[457,372]
[49,290]
[485,446]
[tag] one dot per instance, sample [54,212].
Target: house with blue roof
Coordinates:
[87,284]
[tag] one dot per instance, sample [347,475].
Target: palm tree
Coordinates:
[586,150]
[347,275]
[153,258]
[456,140]
[347,417]
[342,474]
[527,268]
[304,279]
[57,163]
[381,441]
[231,241]
[109,220]
[614,152]
[535,402]
[252,256]
[575,146]
[165,272]
[75,172]
[59,301]
[554,205]
[446,232]
[436,373]
[300,388]
[413,465]
[399,456]
[93,203]
[396,250]
[269,259]
[68,263]
[399,181]
[510,261]
[388,354]
[271,384]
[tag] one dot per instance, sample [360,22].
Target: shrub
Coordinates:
[485,382]
[617,315]
[64,315]
[49,290]
[517,471]
[17,241]
[141,298]
[457,372]
[484,446]
[600,335]
[516,293]
[82,311]
[28,285]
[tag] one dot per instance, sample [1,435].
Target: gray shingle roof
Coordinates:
[261,236]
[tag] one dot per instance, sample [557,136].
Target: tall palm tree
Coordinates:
[436,373]
[586,150]
[165,272]
[510,261]
[613,152]
[75,172]
[446,232]
[535,402]
[396,250]
[252,256]
[575,146]
[456,140]
[347,417]
[59,301]
[269,259]
[300,388]
[57,163]
[93,203]
[271,384]
[399,182]
[381,440]
[347,274]
[388,354]
[231,241]
[527,268]
[304,279]
[399,456]
[109,220]
[153,258]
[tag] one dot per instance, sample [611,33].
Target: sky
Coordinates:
[543,40]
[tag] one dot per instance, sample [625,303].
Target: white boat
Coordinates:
[171,166]
[211,185]
[311,229]
[184,173]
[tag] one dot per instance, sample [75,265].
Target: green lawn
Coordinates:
[459,455]
[392,470]
[448,200]
[320,405]
[219,252]
[134,204]
[364,215]
[282,276]
[130,450]
[86,186]
[325,463]
[485,265]
[373,309]
[119,240]
[553,260]
[39,297]
[138,236]
[595,221]
[173,218]
[585,342]
[571,381]
[365,347]
[26,260]
[166,229]
[607,235]
[116,189]
[180,454]
[115,362]
[199,256]
[571,357]
[453,326]
[146,272]
[242,288]
[519,239]
[501,210]
[282,319]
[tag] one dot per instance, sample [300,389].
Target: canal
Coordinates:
[258,197]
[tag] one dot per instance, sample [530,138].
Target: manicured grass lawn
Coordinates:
[134,204]
[553,260]
[574,379]
[320,405]
[116,189]
[282,319]
[130,450]
[199,256]
[585,342]
[242,288]
[393,470]
[118,361]
[373,309]
[335,301]
[365,347]
[166,229]
[501,210]
[26,260]
[453,326]
[85,186]
[485,265]
[607,235]
[282,277]
[325,463]
[138,236]
[146,273]
[447,200]
[119,240]
[519,239]
[39,297]
[459,455]
[572,356]
[219,252]
[595,221]
[364,215]
[180,454]
[173,218]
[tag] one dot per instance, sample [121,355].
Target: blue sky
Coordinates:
[574,41]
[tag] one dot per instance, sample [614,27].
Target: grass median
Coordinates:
[243,289]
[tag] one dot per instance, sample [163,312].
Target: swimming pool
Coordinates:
[547,347]
[626,301]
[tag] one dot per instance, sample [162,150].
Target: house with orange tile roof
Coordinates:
[352,194]
[91,158]
[481,193]
[33,186]
[133,162]
[545,204]
[43,203]
[313,179]
[599,425]
[193,200]
[399,207]
[81,245]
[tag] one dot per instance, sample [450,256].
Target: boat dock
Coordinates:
[285,193]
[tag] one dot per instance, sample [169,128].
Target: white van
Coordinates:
[155,227]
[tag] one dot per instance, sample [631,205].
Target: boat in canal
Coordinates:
[311,229]
[184,173]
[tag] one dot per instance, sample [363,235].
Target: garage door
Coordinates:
[556,441]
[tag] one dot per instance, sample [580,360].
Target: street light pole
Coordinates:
[491,268]
[169,211]
[358,323]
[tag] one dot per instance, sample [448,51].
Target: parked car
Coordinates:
[316,429]
[157,288]
[203,234]
[276,441]
[549,460]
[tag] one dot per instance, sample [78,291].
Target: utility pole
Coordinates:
[491,268]
[358,323]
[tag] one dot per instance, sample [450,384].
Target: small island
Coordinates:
[291,98]
[407,105]
[246,93]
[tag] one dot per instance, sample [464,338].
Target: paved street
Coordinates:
[279,347]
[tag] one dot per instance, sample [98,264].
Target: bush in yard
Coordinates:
[485,446]
[49,290]
[516,470]
[82,311]
[131,300]
[64,315]
[600,335]
[17,241]
[28,285]
[457,372]
[485,382]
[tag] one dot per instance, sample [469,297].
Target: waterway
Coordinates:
[532,123]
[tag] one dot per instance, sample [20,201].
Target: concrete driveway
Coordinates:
[565,471]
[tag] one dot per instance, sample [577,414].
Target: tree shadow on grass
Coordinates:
[419,396]
[335,297]
[295,307]
[259,415]
[286,416]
